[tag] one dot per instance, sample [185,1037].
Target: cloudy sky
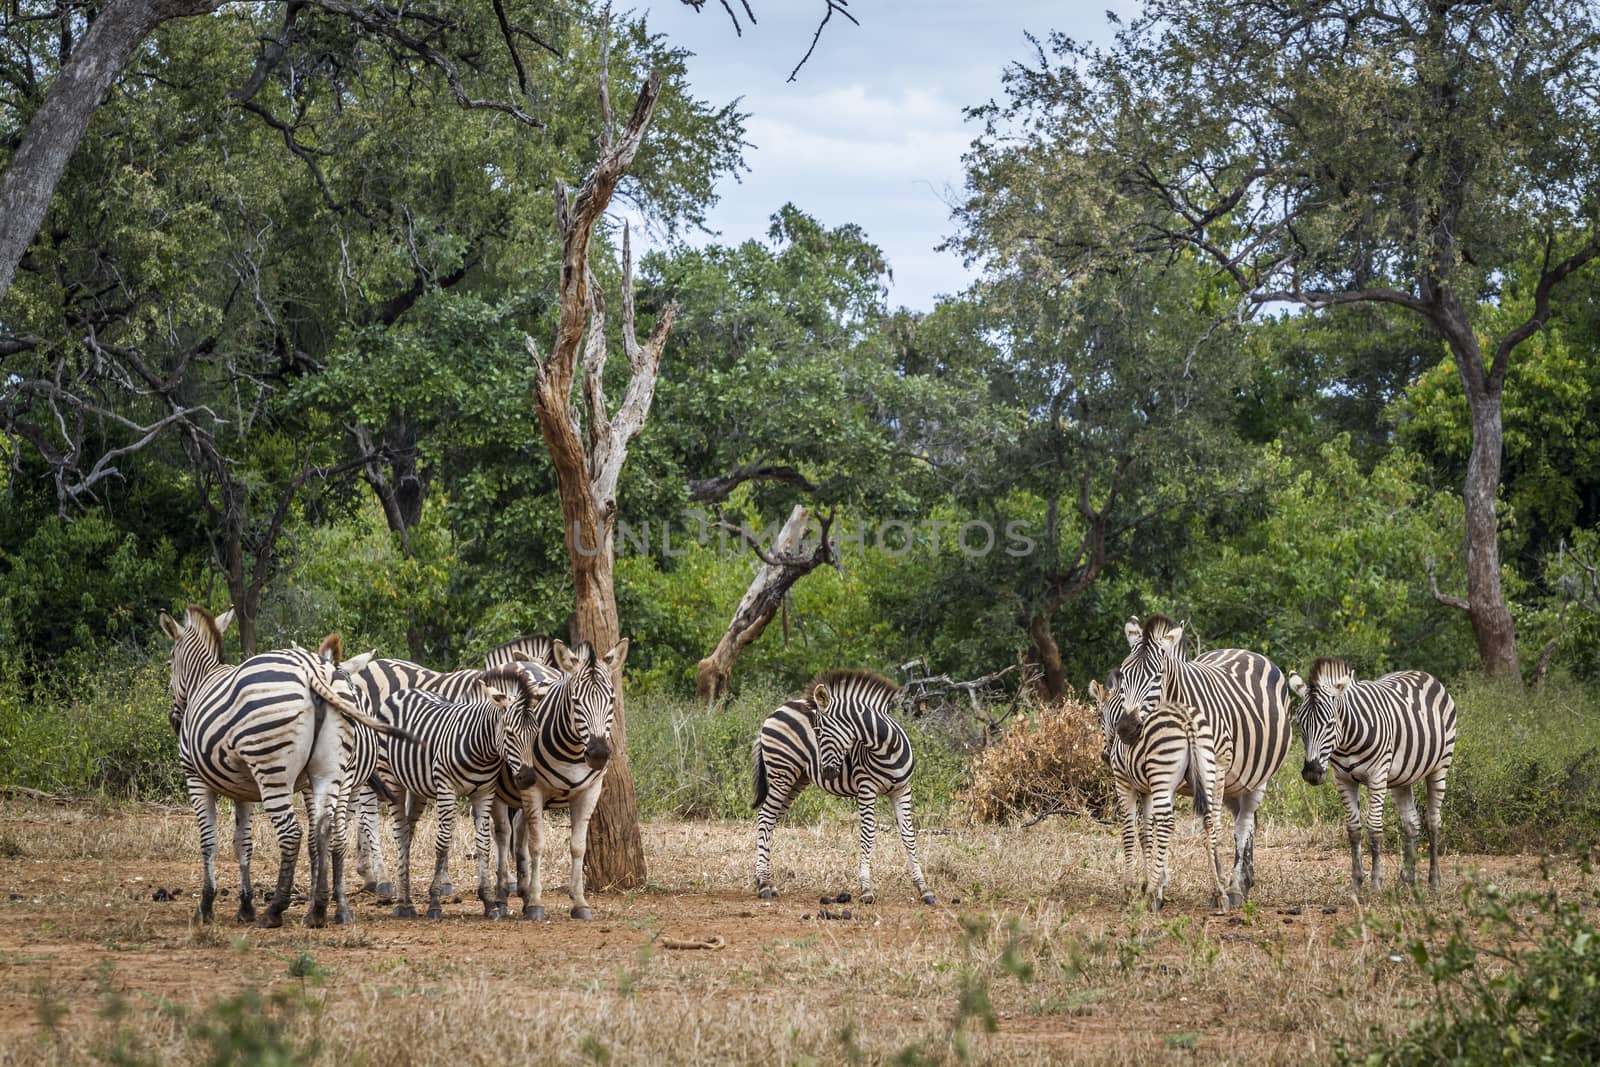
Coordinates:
[871,131]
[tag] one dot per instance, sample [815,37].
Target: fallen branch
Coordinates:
[714,942]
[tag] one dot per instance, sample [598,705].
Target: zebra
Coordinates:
[1242,694]
[1390,733]
[255,732]
[838,734]
[459,749]
[1173,753]
[376,680]
[572,710]
[530,648]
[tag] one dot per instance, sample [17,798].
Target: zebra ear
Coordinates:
[1172,639]
[1340,685]
[822,697]
[618,653]
[520,656]
[1133,630]
[566,659]
[1297,684]
[224,621]
[357,662]
[1097,692]
[171,626]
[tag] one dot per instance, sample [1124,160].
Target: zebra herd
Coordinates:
[531,730]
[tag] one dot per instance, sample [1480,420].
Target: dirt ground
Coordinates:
[1034,935]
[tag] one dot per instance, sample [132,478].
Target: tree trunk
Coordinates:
[1052,676]
[1486,601]
[53,134]
[778,574]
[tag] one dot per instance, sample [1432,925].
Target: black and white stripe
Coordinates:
[573,709]
[1387,734]
[1174,752]
[1245,698]
[839,735]
[530,648]
[458,749]
[261,731]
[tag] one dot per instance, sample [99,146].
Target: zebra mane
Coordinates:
[860,679]
[1330,669]
[513,673]
[1156,625]
[540,648]
[332,648]
[213,635]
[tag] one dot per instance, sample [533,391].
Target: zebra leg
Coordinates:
[908,838]
[1405,805]
[483,827]
[444,799]
[243,845]
[405,809]
[278,799]
[1377,786]
[369,849]
[583,804]
[1213,826]
[1244,845]
[1435,780]
[867,805]
[322,809]
[531,849]
[1161,838]
[1128,816]
[779,797]
[504,844]
[1145,841]
[316,864]
[1350,795]
[204,802]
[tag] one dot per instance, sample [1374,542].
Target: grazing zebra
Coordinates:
[838,734]
[458,750]
[1173,753]
[572,713]
[1245,698]
[1389,733]
[376,680]
[259,732]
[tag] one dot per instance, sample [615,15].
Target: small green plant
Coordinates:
[305,966]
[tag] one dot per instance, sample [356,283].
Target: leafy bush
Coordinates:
[1049,759]
[1514,979]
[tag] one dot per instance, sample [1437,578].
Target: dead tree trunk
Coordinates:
[780,570]
[588,459]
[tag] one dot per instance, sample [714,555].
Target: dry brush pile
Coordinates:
[1046,760]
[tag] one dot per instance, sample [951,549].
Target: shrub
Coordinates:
[1514,981]
[1047,760]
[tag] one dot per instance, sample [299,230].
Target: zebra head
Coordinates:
[196,649]
[1108,704]
[520,694]
[1318,714]
[834,737]
[591,696]
[1154,649]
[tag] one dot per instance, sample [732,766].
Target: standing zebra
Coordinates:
[1245,698]
[838,734]
[258,732]
[1174,752]
[458,748]
[572,714]
[1389,733]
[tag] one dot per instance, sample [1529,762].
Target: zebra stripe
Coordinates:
[257,732]
[572,709]
[1175,752]
[840,735]
[1245,698]
[530,648]
[1388,733]
[459,749]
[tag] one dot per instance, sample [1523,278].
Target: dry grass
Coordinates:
[1044,944]
[1048,760]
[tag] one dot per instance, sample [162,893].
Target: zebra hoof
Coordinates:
[584,914]
[766,892]
[247,914]
[369,887]
[203,917]
[385,892]
[405,911]
[435,912]
[929,898]
[868,897]
[343,917]
[533,913]
[270,921]
[1235,900]
[316,920]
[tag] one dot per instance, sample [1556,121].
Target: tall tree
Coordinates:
[1402,152]
[587,467]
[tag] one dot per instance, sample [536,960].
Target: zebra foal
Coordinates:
[1388,734]
[1174,752]
[260,731]
[839,735]
[1244,697]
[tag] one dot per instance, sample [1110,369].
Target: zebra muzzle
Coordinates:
[525,778]
[1312,773]
[1128,729]
[597,753]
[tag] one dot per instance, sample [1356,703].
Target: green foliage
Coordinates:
[1513,980]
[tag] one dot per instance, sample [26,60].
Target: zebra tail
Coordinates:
[1197,785]
[320,685]
[761,778]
